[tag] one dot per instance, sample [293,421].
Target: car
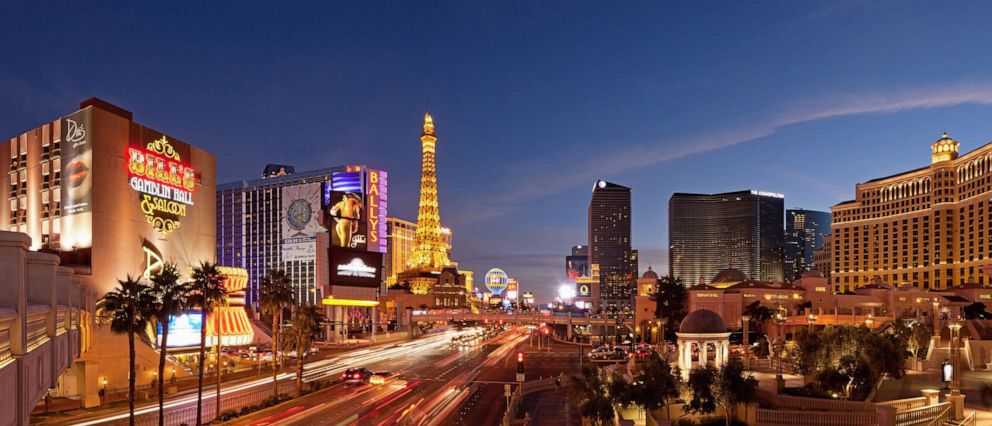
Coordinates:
[356,374]
[379,378]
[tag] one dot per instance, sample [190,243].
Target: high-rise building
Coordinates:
[823,257]
[274,223]
[250,214]
[609,244]
[708,232]
[927,226]
[402,236]
[577,264]
[804,231]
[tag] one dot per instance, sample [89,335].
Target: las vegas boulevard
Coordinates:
[496,213]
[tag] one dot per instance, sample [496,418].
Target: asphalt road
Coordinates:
[427,387]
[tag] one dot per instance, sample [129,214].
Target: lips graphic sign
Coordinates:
[77,180]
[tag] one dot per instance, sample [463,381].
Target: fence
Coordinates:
[186,414]
[815,418]
[813,404]
[934,414]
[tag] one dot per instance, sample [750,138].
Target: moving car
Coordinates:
[356,374]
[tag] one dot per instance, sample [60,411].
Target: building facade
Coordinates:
[928,226]
[823,256]
[706,233]
[110,198]
[804,232]
[250,225]
[609,244]
[402,235]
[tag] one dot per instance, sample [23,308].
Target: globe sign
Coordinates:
[496,280]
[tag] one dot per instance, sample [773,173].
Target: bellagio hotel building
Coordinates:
[928,226]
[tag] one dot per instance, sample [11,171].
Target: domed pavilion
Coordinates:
[702,328]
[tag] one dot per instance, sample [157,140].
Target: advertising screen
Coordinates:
[300,207]
[345,206]
[583,290]
[184,330]
[77,188]
[355,267]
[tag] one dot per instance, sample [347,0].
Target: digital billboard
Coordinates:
[184,330]
[345,205]
[377,191]
[355,267]
[300,206]
[77,173]
[583,290]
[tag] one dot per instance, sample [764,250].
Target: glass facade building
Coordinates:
[804,231]
[609,244]
[249,231]
[709,232]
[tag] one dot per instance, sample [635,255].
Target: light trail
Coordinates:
[312,371]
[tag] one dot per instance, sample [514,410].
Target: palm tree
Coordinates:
[208,293]
[303,330]
[128,307]
[275,294]
[172,299]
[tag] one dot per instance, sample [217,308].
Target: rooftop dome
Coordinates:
[650,274]
[729,275]
[703,321]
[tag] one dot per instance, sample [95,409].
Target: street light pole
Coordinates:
[747,349]
[955,397]
[780,322]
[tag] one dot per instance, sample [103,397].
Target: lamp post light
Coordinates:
[747,349]
[936,319]
[955,326]
[810,320]
[780,345]
[870,321]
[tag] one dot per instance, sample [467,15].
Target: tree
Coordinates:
[171,299]
[976,311]
[209,293]
[303,330]
[670,299]
[275,294]
[129,308]
[701,387]
[734,386]
[656,385]
[589,395]
[759,314]
[804,351]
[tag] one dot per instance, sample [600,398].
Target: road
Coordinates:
[381,357]
[428,387]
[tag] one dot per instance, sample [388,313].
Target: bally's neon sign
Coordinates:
[166,184]
[373,207]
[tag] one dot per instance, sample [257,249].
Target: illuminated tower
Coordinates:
[430,252]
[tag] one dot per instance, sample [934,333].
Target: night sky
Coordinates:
[533,101]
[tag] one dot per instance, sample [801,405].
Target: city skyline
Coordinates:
[867,79]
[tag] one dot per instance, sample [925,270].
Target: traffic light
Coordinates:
[520,357]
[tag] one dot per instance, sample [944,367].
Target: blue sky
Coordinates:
[533,101]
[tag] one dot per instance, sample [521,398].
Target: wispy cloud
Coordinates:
[617,160]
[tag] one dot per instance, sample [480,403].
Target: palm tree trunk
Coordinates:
[217,333]
[299,374]
[199,376]
[161,372]
[130,378]
[275,368]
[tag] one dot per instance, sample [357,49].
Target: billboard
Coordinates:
[583,290]
[184,330]
[77,173]
[355,267]
[345,206]
[299,208]
[378,189]
[164,181]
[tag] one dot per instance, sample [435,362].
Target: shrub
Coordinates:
[228,415]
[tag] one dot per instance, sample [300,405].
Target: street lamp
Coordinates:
[779,346]
[870,320]
[955,326]
[810,320]
[747,349]
[936,319]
